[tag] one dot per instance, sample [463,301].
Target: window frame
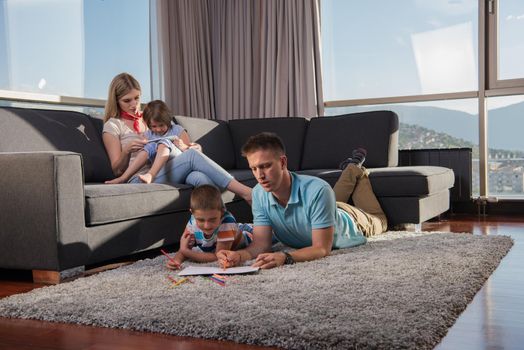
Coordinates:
[494,85]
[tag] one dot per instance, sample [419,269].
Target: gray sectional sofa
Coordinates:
[57,214]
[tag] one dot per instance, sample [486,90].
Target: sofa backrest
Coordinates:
[329,140]
[26,130]
[291,130]
[213,136]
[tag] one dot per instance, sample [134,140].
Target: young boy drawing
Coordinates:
[210,229]
[164,143]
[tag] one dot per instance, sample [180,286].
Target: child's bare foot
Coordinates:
[118,180]
[146,178]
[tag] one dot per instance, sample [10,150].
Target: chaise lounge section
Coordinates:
[316,146]
[57,214]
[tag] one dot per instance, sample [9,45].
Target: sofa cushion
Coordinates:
[398,181]
[213,136]
[24,130]
[410,180]
[290,130]
[330,140]
[417,209]
[329,175]
[111,203]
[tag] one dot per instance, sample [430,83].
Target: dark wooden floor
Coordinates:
[494,319]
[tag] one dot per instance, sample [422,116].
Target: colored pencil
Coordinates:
[167,255]
[218,281]
[179,282]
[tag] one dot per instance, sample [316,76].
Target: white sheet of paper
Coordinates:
[209,270]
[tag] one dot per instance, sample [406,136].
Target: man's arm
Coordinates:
[262,241]
[322,241]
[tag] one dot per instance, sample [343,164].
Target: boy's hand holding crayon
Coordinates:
[172,263]
[228,258]
[187,241]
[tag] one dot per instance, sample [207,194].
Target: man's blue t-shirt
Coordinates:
[312,205]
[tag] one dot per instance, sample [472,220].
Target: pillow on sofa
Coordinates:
[290,130]
[25,130]
[330,140]
[213,136]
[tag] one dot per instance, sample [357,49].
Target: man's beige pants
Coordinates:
[368,215]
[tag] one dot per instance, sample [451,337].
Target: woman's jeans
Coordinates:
[193,168]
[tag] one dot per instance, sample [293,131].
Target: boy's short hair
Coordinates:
[264,141]
[206,197]
[157,111]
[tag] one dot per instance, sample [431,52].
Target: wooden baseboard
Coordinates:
[106,267]
[46,277]
[56,277]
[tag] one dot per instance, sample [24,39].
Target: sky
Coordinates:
[73,47]
[425,47]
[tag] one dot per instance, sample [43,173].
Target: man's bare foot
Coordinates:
[146,178]
[118,180]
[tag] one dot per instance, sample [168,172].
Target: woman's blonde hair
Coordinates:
[121,85]
[159,112]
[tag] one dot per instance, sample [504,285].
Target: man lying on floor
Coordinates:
[303,211]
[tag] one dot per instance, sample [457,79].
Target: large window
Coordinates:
[505,116]
[428,61]
[506,146]
[380,48]
[73,47]
[437,124]
[510,43]
[506,48]
[433,125]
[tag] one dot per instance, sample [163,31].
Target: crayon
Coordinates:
[167,255]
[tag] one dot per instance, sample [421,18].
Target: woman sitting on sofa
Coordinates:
[123,137]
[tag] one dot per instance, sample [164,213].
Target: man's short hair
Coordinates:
[206,197]
[264,141]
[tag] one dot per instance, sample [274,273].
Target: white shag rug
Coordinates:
[400,291]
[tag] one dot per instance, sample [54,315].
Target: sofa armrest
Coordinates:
[42,224]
